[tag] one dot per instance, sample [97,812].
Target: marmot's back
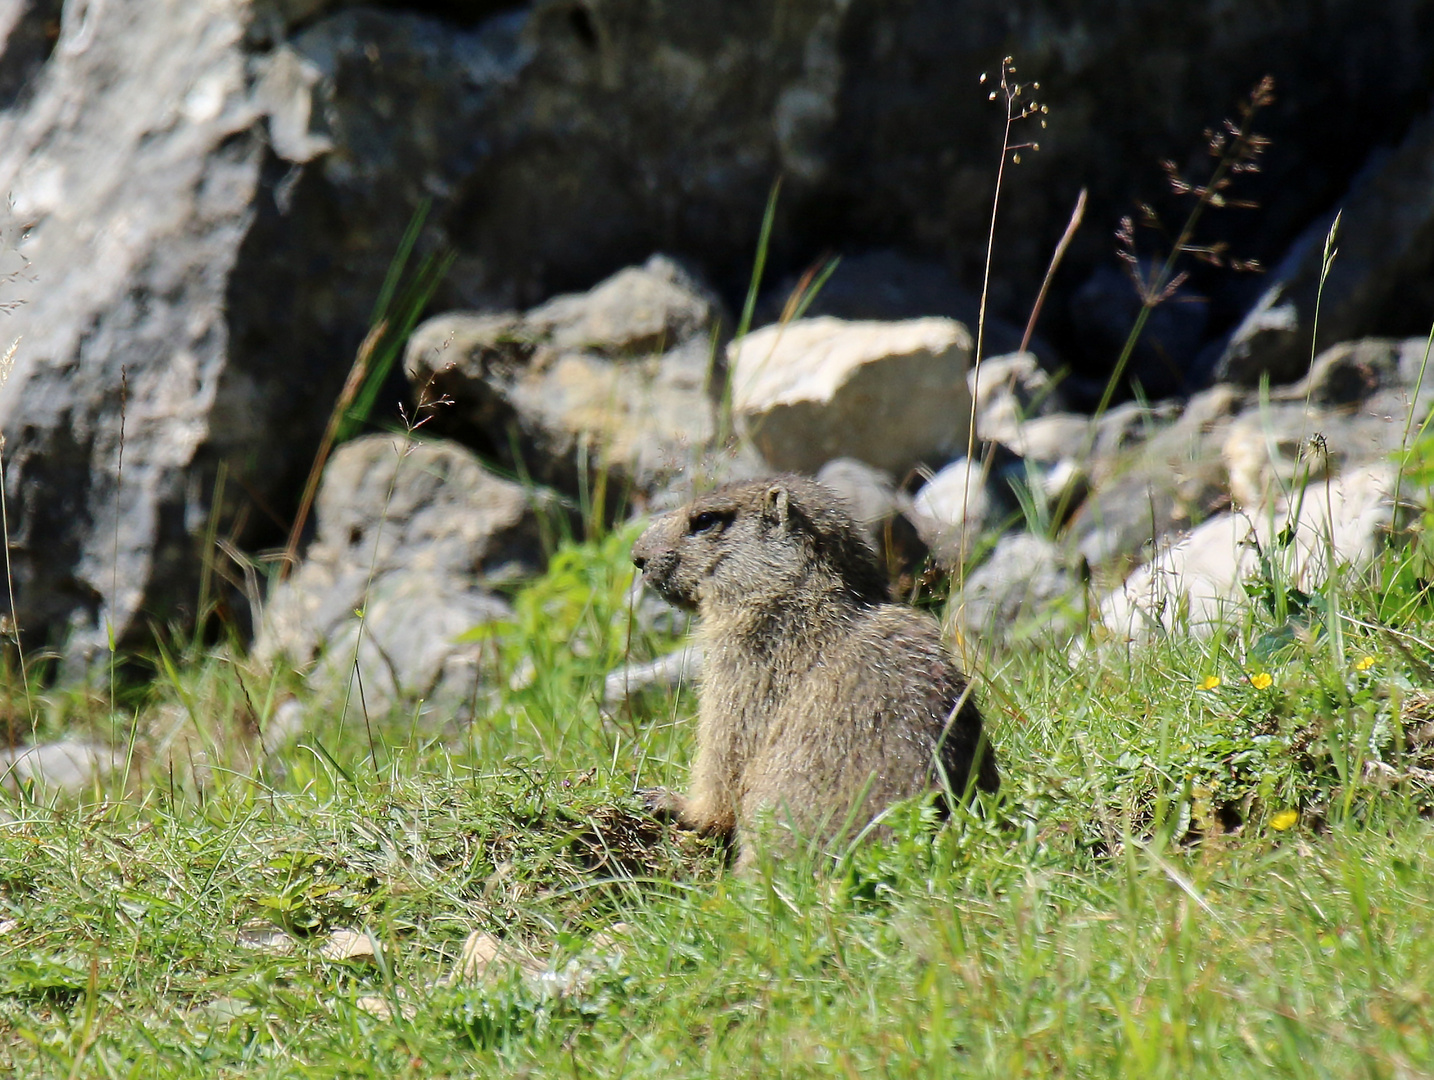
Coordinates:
[817,693]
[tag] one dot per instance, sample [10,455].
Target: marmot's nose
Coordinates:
[639,561]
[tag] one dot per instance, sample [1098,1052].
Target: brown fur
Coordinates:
[820,700]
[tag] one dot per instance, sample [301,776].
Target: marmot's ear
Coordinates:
[776,506]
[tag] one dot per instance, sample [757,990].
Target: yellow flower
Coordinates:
[1209,682]
[1364,664]
[1285,819]
[1263,681]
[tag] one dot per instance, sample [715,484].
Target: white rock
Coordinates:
[952,509]
[679,668]
[891,394]
[68,765]
[1198,582]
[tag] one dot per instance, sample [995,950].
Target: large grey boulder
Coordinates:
[610,388]
[133,153]
[210,230]
[412,539]
[890,394]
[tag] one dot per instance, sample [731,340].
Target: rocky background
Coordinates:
[206,197]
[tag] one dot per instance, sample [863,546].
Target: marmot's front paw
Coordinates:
[662,804]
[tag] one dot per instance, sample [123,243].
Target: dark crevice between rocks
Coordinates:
[29,44]
[463,14]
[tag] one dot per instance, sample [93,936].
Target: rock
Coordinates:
[612,387]
[880,509]
[416,538]
[1008,391]
[1385,245]
[1165,476]
[1047,439]
[69,766]
[1269,451]
[890,394]
[1085,440]
[1128,516]
[956,507]
[869,493]
[131,151]
[1197,583]
[1012,592]
[638,311]
[676,669]
[1348,373]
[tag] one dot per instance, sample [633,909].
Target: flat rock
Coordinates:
[890,394]
[69,765]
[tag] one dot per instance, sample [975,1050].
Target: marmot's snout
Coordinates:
[657,560]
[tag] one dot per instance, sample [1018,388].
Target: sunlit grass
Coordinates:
[1201,865]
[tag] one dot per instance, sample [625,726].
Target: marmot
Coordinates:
[817,693]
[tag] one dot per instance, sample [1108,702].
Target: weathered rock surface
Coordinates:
[1378,280]
[138,199]
[1199,581]
[1169,476]
[890,394]
[613,387]
[415,536]
[1012,592]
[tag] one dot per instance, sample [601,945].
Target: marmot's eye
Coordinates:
[708,519]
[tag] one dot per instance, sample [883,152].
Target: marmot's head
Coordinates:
[756,543]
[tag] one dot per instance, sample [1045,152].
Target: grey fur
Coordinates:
[820,701]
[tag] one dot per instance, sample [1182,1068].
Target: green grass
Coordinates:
[1100,919]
